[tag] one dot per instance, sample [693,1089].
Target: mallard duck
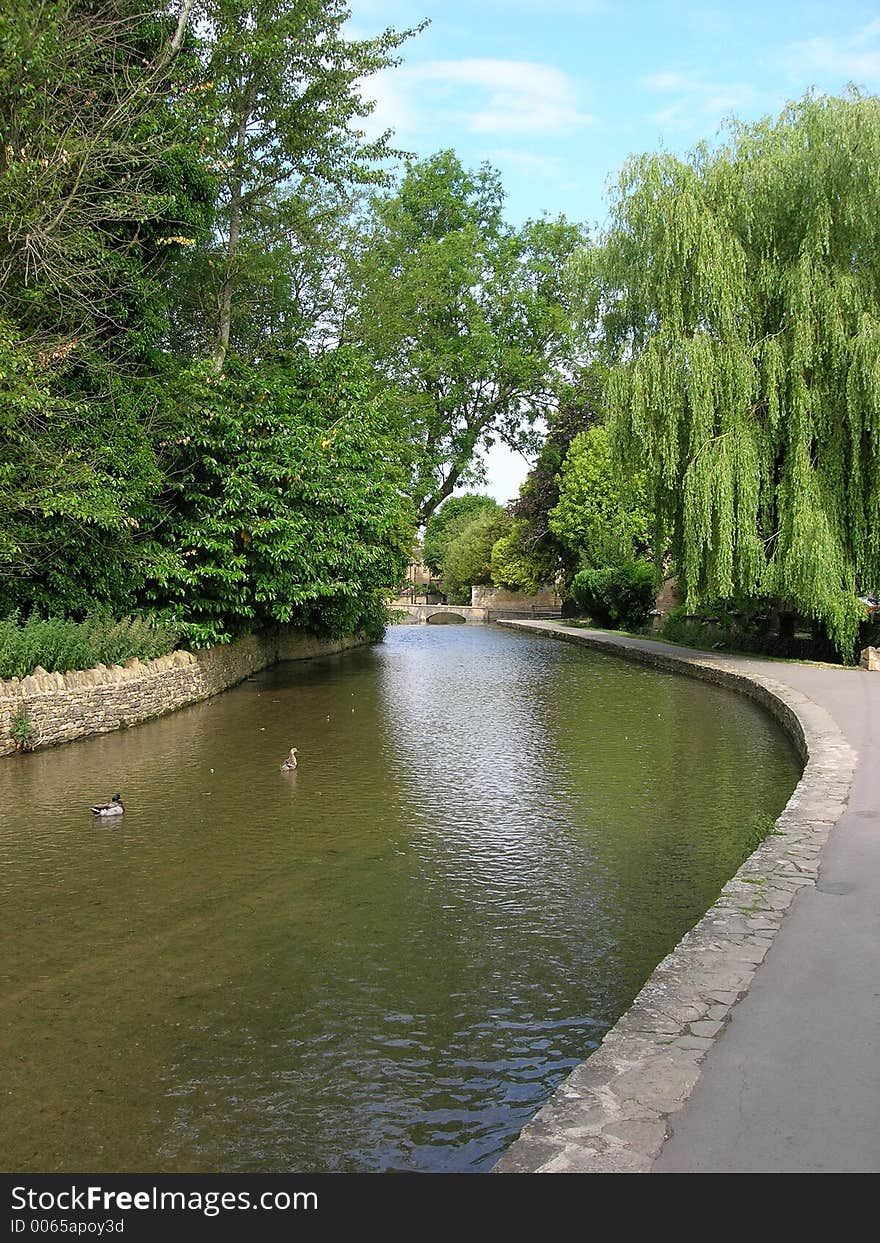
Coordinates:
[113,808]
[290,763]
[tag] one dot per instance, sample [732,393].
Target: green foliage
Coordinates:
[602,515]
[100,173]
[21,730]
[100,178]
[617,596]
[75,470]
[468,558]
[518,564]
[290,291]
[737,297]
[535,553]
[283,108]
[59,645]
[478,325]
[133,140]
[449,521]
[283,502]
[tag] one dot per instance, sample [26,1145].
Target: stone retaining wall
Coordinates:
[64,706]
[499,598]
[612,1114]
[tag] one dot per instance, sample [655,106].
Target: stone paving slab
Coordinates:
[613,1112]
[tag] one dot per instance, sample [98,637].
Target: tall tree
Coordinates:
[447,522]
[534,553]
[101,187]
[601,516]
[738,296]
[100,179]
[285,98]
[283,500]
[465,315]
[294,292]
[468,558]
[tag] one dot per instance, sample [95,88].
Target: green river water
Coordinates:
[386,960]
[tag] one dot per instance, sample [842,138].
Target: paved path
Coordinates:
[792,1083]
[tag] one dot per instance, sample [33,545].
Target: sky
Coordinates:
[556,94]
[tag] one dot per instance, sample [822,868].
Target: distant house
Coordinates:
[418,578]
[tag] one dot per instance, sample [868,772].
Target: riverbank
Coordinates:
[60,707]
[750,1046]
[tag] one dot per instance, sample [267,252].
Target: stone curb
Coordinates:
[611,1114]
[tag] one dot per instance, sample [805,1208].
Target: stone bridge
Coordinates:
[473,614]
[421,613]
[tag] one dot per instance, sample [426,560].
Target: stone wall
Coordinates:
[497,598]
[64,706]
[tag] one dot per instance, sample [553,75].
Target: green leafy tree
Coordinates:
[533,553]
[294,293]
[154,163]
[285,103]
[283,501]
[101,187]
[518,564]
[468,558]
[76,473]
[449,521]
[466,316]
[101,181]
[601,516]
[738,298]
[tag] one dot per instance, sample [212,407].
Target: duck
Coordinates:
[113,808]
[290,763]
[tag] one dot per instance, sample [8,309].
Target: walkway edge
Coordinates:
[611,1114]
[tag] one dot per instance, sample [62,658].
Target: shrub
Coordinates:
[756,626]
[21,731]
[617,595]
[59,645]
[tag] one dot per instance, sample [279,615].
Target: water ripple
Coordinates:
[386,960]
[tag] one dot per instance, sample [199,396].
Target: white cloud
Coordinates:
[478,95]
[851,58]
[393,109]
[509,96]
[668,80]
[671,117]
[868,33]
[699,103]
[724,100]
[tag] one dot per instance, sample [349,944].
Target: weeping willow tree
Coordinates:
[738,296]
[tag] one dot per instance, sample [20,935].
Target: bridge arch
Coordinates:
[446,617]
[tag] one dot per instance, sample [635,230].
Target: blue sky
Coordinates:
[556,94]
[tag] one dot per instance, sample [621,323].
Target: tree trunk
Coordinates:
[224,297]
[236,191]
[173,46]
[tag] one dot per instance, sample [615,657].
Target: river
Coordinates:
[386,960]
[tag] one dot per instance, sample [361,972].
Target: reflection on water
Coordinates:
[385,960]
